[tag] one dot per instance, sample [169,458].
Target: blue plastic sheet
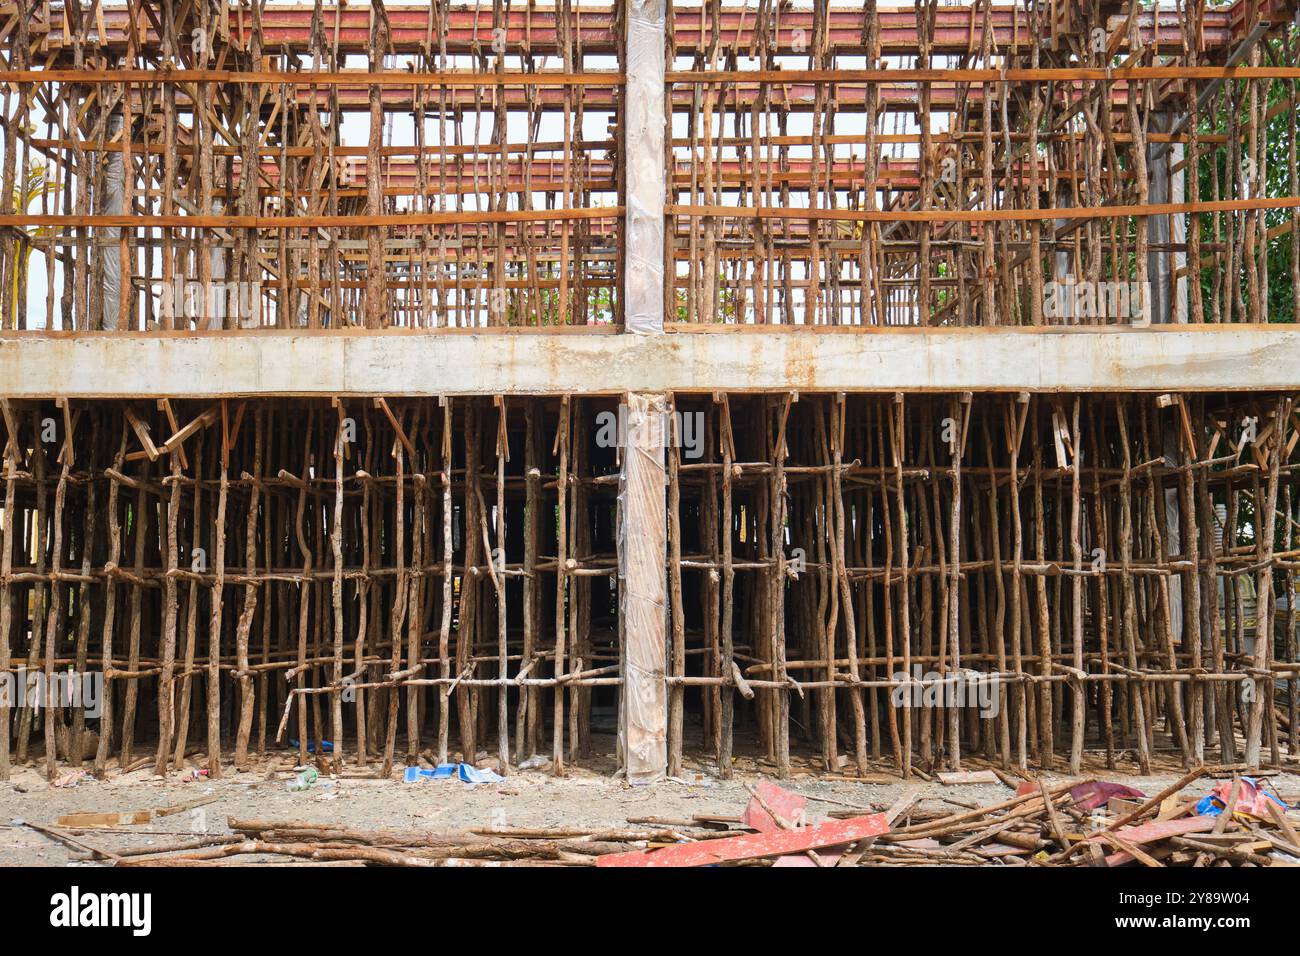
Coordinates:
[472,774]
[325,746]
[1207,806]
[1213,804]
[444,771]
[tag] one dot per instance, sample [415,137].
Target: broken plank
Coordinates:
[774,808]
[201,421]
[754,846]
[956,777]
[86,820]
[1159,830]
[141,433]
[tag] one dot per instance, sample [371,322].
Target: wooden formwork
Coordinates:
[1116,570]
[309,571]
[443,166]
[399,577]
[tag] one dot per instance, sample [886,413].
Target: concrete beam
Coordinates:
[396,363]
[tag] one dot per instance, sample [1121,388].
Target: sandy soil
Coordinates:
[588,796]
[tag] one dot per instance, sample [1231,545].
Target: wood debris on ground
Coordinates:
[1066,823]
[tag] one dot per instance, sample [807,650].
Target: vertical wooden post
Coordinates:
[218,605]
[561,580]
[1266,511]
[166,713]
[11,453]
[251,597]
[336,588]
[677,694]
[444,630]
[726,657]
[376,307]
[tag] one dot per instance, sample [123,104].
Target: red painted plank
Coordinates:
[754,845]
[788,806]
[828,858]
[1159,830]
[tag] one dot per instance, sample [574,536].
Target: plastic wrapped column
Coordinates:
[643,542]
[111,205]
[643,283]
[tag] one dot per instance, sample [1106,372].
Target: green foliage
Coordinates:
[1275,137]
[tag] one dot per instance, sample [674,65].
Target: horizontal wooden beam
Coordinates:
[986,75]
[535,29]
[313,78]
[606,78]
[154,221]
[976,215]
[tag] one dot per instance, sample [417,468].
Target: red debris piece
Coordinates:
[753,846]
[802,860]
[788,806]
[1150,832]
[1097,793]
[1252,799]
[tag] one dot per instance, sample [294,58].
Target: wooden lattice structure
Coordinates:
[792,567]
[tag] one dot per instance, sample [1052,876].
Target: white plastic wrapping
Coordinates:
[643,549]
[643,284]
[111,204]
[1166,185]
[218,298]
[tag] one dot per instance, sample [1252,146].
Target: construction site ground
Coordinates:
[588,796]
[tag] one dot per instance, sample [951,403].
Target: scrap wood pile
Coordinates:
[1089,823]
[1070,823]
[486,846]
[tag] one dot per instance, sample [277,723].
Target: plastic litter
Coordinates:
[468,773]
[471,774]
[1252,799]
[1097,793]
[303,781]
[325,746]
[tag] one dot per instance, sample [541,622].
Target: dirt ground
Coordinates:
[588,796]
